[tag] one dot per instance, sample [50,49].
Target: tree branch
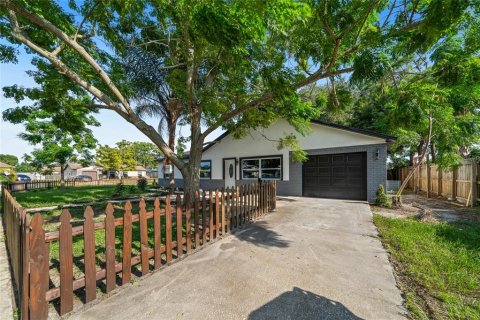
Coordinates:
[48,26]
[267,97]
[131,117]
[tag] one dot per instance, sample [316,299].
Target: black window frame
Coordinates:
[205,178]
[259,158]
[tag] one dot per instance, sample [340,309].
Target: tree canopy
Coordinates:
[9,159]
[236,64]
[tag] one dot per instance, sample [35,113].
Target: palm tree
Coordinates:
[154,98]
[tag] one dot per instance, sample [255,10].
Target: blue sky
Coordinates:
[113,128]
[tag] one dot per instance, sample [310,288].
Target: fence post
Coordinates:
[439,181]
[454,184]
[474,183]
[66,263]
[24,295]
[429,179]
[39,265]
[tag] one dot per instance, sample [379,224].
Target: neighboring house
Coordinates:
[152,173]
[6,170]
[5,166]
[76,169]
[139,171]
[343,162]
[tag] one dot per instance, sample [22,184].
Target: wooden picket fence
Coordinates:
[51,184]
[16,223]
[459,184]
[185,224]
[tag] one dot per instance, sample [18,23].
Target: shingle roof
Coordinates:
[75,166]
[5,165]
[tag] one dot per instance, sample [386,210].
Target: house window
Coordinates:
[268,168]
[206,169]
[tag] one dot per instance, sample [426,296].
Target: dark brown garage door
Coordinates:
[338,176]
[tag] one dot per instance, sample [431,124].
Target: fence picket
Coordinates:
[66,263]
[204,218]
[24,294]
[223,212]
[110,247]
[197,220]
[168,229]
[143,237]
[228,209]
[39,264]
[127,244]
[188,225]
[179,226]
[89,255]
[210,216]
[237,204]
[217,213]
[157,234]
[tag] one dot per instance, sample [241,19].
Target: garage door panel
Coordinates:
[338,158]
[322,159]
[323,181]
[341,176]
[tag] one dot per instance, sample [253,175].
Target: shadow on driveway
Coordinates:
[259,235]
[301,304]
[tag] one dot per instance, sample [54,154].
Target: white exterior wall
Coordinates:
[135,174]
[70,174]
[256,144]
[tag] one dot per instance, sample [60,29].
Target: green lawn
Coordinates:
[68,195]
[438,265]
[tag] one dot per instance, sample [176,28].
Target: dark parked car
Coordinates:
[23,178]
[83,177]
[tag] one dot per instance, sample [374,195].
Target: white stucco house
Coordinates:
[343,162]
[76,169]
[139,171]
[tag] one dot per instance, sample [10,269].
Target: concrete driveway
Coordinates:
[312,259]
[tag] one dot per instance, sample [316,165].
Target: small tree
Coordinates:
[57,146]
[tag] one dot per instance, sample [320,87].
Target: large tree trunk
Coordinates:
[62,175]
[191,173]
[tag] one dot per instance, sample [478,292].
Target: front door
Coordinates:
[229,172]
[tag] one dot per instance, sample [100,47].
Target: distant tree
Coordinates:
[57,146]
[26,164]
[9,159]
[109,158]
[126,155]
[146,154]
[116,158]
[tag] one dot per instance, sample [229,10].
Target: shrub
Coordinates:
[382,198]
[132,189]
[120,189]
[142,184]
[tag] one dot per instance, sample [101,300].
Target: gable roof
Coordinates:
[356,130]
[5,165]
[370,133]
[75,166]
